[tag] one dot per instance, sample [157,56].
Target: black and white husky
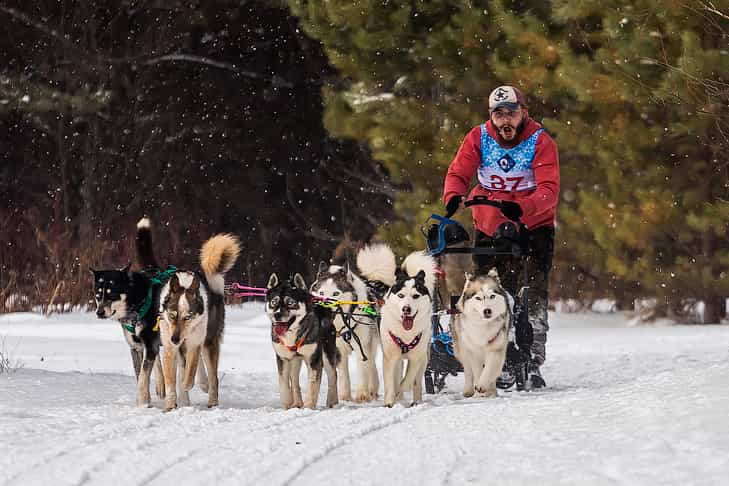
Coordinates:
[301,332]
[132,299]
[405,326]
[192,307]
[360,337]
[481,332]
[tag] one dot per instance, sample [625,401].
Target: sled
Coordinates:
[441,234]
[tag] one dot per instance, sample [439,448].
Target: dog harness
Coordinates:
[507,169]
[405,347]
[294,348]
[497,335]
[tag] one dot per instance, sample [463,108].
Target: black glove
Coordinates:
[452,205]
[511,210]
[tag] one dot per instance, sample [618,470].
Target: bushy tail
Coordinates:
[377,263]
[417,261]
[145,253]
[217,256]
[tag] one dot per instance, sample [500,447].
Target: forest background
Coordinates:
[309,127]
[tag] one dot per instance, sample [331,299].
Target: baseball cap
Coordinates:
[507,97]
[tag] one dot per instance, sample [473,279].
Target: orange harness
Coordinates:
[295,348]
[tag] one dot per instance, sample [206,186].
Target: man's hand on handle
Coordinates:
[511,210]
[452,205]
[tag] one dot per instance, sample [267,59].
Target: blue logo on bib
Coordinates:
[506,163]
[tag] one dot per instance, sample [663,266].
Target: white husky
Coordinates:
[481,332]
[361,336]
[405,326]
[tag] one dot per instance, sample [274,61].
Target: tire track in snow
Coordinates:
[346,439]
[129,442]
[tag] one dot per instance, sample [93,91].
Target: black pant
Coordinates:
[539,263]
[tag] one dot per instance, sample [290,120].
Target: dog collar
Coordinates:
[501,329]
[405,347]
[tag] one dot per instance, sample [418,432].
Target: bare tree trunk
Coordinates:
[714,309]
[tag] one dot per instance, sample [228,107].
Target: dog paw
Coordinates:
[297,404]
[345,397]
[468,393]
[170,405]
[486,391]
[361,396]
[212,403]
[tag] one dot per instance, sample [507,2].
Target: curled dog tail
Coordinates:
[417,261]
[377,263]
[217,256]
[145,253]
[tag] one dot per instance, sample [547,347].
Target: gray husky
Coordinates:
[301,332]
[481,332]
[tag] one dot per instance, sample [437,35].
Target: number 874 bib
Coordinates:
[508,170]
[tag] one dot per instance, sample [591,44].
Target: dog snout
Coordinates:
[487,313]
[100,312]
[175,339]
[407,310]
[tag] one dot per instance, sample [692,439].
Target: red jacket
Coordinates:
[539,205]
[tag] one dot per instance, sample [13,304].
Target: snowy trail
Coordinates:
[625,405]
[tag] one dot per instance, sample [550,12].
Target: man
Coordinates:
[516,162]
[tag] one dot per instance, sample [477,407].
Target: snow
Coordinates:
[626,405]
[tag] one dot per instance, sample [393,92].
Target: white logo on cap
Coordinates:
[501,94]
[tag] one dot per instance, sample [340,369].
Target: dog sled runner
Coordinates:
[442,234]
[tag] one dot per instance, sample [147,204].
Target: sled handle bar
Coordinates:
[481,201]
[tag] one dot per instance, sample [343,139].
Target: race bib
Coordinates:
[508,170]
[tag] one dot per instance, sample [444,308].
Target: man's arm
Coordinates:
[463,167]
[546,173]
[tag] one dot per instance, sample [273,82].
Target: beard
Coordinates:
[509,133]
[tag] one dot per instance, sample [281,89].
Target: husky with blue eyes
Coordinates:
[405,326]
[356,330]
[301,333]
[481,332]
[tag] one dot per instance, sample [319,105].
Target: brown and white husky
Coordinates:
[192,310]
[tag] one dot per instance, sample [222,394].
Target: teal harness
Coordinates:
[159,279]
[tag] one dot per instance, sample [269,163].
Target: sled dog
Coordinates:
[405,326]
[192,313]
[132,299]
[301,332]
[360,337]
[481,332]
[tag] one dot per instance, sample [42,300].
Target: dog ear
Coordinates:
[128,269]
[323,266]
[401,275]
[175,284]
[195,285]
[299,281]
[420,276]
[272,281]
[493,273]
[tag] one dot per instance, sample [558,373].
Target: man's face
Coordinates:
[507,121]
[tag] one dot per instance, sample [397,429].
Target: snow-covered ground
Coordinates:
[625,405]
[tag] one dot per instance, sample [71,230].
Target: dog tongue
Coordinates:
[407,322]
[280,328]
